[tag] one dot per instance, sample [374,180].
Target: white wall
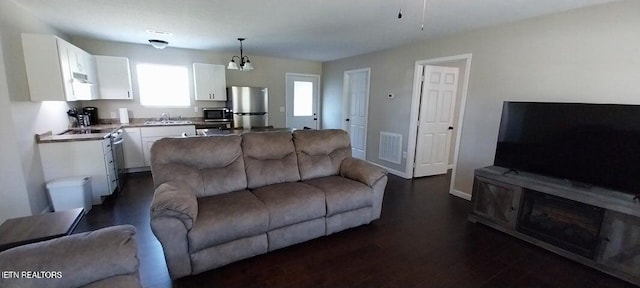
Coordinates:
[585,55]
[15,200]
[269,72]
[27,118]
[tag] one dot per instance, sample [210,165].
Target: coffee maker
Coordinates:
[92,114]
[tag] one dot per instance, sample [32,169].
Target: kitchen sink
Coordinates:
[167,122]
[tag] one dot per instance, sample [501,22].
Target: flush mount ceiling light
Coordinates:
[158,44]
[243,63]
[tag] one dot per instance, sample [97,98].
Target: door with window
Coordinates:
[302,100]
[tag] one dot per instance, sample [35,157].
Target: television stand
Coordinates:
[597,227]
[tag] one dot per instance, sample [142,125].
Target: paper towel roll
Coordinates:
[124,115]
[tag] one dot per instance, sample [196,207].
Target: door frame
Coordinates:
[415,103]
[289,105]
[345,101]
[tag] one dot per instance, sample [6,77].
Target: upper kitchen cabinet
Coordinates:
[114,77]
[57,70]
[210,82]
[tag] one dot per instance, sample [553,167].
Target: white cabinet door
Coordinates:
[152,134]
[146,146]
[114,77]
[219,85]
[46,59]
[209,82]
[50,65]
[133,150]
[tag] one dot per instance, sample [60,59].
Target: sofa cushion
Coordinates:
[226,217]
[291,203]
[343,194]
[320,152]
[269,158]
[210,165]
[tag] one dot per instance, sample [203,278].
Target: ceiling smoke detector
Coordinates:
[158,44]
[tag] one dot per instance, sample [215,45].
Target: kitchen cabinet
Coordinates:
[57,70]
[133,149]
[114,77]
[150,135]
[81,158]
[210,82]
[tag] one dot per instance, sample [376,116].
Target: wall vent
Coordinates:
[390,148]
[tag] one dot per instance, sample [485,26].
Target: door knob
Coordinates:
[450,127]
[347,120]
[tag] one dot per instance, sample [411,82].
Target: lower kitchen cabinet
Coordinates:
[81,158]
[138,142]
[133,151]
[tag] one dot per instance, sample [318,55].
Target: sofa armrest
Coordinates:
[361,171]
[75,260]
[175,199]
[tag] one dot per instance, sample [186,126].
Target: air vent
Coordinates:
[390,148]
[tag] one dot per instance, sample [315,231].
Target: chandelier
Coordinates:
[243,63]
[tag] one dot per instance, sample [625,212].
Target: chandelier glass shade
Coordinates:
[241,62]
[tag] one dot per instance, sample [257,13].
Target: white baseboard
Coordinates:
[392,171]
[46,210]
[460,194]
[140,169]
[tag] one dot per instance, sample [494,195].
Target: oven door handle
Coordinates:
[118,142]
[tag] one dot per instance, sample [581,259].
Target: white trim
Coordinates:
[345,102]
[460,194]
[46,210]
[392,171]
[287,104]
[450,166]
[415,100]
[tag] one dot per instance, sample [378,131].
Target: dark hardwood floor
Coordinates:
[423,239]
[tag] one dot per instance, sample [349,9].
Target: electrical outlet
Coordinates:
[404,154]
[113,115]
[195,108]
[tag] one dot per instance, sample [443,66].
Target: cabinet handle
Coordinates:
[128,94]
[110,162]
[213,95]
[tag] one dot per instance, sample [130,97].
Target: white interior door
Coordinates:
[437,102]
[302,101]
[356,109]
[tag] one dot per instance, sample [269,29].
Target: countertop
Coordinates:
[108,128]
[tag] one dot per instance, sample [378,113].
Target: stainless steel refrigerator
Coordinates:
[249,105]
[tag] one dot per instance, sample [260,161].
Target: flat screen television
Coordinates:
[590,144]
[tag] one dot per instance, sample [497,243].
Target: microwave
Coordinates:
[217,114]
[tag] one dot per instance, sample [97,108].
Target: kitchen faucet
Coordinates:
[165,117]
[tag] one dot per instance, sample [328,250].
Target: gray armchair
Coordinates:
[101,258]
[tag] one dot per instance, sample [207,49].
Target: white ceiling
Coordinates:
[319,30]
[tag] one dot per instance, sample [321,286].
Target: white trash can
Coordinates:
[71,192]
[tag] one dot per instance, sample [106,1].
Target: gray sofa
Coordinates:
[224,198]
[101,258]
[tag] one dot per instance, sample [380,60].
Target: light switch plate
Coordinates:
[282,109]
[195,108]
[113,115]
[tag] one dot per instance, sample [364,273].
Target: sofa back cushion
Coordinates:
[320,152]
[269,158]
[209,165]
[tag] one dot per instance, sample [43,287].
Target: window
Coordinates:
[163,85]
[302,98]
